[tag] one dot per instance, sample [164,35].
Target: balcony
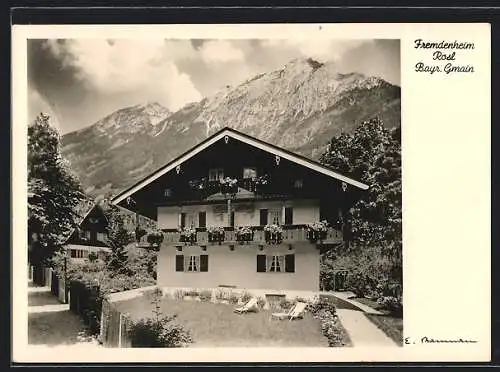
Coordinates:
[291,234]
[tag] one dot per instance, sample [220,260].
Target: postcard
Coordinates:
[251,193]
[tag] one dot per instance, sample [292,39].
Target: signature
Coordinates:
[429,340]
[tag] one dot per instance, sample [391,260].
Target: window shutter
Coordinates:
[263,217]
[202,219]
[261,263]
[232,220]
[204,263]
[183,219]
[290,263]
[288,216]
[179,262]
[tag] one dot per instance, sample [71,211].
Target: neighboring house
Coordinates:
[234,211]
[89,237]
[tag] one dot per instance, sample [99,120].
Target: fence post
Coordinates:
[120,331]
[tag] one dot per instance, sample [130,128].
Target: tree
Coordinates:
[372,154]
[53,192]
[118,239]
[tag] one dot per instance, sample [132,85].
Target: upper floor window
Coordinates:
[276,263]
[298,184]
[275,216]
[249,172]
[215,174]
[168,193]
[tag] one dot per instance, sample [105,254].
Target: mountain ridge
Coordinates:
[299,107]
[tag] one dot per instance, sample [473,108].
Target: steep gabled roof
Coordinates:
[82,219]
[275,150]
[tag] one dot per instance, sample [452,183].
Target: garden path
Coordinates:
[361,330]
[51,323]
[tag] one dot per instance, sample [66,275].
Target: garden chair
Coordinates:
[250,306]
[296,312]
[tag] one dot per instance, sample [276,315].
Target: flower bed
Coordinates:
[273,234]
[324,310]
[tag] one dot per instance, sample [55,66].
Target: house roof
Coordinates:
[275,150]
[82,218]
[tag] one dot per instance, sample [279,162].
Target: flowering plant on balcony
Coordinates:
[188,235]
[228,185]
[198,184]
[244,234]
[155,238]
[317,231]
[215,234]
[273,234]
[260,182]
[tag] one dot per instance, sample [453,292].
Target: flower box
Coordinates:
[317,231]
[188,235]
[228,185]
[244,234]
[215,234]
[155,238]
[273,234]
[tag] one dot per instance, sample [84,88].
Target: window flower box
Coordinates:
[273,234]
[215,234]
[155,238]
[228,185]
[188,235]
[260,183]
[244,234]
[317,231]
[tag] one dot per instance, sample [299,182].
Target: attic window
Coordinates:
[168,193]
[298,184]
[249,172]
[215,174]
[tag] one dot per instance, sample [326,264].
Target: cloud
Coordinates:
[37,104]
[216,51]
[130,66]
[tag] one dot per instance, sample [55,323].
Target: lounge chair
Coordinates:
[250,306]
[296,312]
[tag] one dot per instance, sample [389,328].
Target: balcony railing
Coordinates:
[291,234]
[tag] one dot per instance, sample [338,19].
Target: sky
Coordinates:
[79,81]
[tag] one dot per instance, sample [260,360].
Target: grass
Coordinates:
[391,326]
[215,325]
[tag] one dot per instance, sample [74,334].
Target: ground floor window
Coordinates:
[276,263]
[191,263]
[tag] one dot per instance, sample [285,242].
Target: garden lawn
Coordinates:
[213,324]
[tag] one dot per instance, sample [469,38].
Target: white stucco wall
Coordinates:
[246,213]
[239,268]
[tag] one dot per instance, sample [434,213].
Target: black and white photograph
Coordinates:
[204,193]
[207,192]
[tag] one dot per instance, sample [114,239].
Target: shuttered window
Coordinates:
[183,219]
[202,219]
[204,263]
[261,263]
[263,217]
[288,216]
[179,262]
[290,263]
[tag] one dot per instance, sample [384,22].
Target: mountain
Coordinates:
[299,107]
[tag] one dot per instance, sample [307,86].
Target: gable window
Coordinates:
[215,174]
[249,172]
[298,184]
[276,263]
[168,193]
[191,263]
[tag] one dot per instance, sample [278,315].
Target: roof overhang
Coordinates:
[231,133]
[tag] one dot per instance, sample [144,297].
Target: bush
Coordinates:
[285,304]
[261,302]
[233,298]
[391,304]
[245,297]
[324,310]
[155,332]
[206,295]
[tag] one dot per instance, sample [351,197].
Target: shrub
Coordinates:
[261,302]
[163,332]
[233,298]
[155,238]
[179,294]
[391,304]
[206,295]
[245,297]
[192,293]
[324,310]
[93,256]
[285,304]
